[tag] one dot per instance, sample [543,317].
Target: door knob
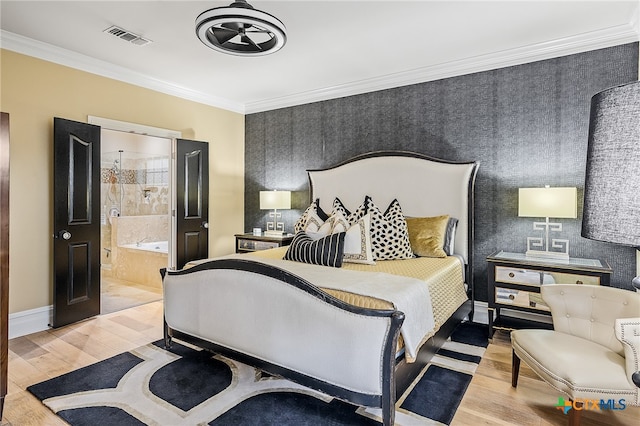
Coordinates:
[65,235]
[205,225]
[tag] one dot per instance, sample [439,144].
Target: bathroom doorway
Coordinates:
[135,223]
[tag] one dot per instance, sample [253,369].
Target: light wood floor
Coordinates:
[117,294]
[490,399]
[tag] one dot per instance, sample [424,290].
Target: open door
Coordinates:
[192,196]
[76,221]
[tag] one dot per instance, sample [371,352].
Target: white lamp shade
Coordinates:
[612,183]
[548,202]
[278,200]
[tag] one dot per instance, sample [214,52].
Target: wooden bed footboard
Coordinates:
[278,322]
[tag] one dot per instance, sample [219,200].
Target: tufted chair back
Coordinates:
[590,314]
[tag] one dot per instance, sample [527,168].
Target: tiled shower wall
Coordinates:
[144,189]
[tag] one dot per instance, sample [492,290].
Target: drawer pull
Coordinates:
[579,282]
[511,275]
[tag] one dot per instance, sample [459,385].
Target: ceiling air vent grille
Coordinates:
[127,36]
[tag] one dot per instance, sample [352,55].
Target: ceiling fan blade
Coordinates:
[259,31]
[223,35]
[235,26]
[247,39]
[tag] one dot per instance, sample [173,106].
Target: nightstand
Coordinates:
[249,242]
[514,281]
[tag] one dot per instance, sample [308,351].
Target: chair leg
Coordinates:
[515,369]
[575,414]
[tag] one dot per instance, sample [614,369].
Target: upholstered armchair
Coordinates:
[593,353]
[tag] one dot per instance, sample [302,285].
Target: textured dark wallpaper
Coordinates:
[527,125]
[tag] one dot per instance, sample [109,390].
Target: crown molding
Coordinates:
[599,39]
[48,52]
[608,37]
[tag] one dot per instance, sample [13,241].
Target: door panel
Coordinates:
[80,168]
[79,267]
[4,257]
[192,210]
[76,219]
[193,184]
[192,246]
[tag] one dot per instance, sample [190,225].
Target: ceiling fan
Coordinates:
[239,29]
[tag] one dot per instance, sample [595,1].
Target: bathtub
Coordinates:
[153,246]
[141,263]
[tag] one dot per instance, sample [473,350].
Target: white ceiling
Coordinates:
[334,48]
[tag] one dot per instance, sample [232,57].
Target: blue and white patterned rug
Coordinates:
[184,386]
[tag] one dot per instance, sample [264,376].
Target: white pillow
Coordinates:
[312,215]
[317,230]
[314,223]
[357,242]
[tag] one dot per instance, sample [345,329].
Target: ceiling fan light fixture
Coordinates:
[239,29]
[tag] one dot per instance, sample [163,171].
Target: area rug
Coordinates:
[186,386]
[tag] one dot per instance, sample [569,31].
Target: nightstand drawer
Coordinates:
[252,245]
[562,278]
[250,242]
[522,276]
[533,277]
[524,299]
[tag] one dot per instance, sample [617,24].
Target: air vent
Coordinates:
[127,36]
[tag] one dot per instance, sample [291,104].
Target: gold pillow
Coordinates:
[426,235]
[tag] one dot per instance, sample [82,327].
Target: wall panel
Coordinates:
[526,124]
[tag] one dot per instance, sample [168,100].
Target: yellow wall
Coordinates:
[33,92]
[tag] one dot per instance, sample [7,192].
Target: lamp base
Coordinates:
[545,254]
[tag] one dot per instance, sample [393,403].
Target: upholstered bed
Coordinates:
[361,331]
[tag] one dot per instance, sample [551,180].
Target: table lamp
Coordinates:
[547,202]
[275,200]
[612,180]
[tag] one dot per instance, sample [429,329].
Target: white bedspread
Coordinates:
[408,295]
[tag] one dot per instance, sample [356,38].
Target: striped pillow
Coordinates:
[327,251]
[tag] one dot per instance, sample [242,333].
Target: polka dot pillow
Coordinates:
[312,219]
[389,235]
[352,218]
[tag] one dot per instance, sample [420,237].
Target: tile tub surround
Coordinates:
[128,261]
[134,229]
[140,266]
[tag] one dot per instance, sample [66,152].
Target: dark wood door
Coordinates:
[4,256]
[192,210]
[76,221]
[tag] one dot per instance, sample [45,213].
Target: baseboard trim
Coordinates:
[30,321]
